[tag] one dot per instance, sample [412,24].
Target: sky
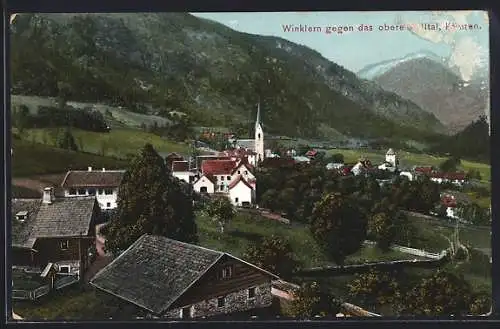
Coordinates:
[355,50]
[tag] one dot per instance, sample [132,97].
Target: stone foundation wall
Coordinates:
[234,302]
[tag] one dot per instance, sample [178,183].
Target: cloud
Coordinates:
[233,23]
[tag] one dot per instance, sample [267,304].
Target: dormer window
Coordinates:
[64,245]
[22,216]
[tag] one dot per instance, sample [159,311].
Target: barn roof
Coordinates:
[217,167]
[180,166]
[93,178]
[65,217]
[162,270]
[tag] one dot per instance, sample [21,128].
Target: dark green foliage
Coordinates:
[450,164]
[85,119]
[338,226]
[443,293]
[375,288]
[471,143]
[151,201]
[66,140]
[312,300]
[274,254]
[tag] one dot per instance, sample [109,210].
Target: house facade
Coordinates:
[103,184]
[241,193]
[181,170]
[205,184]
[52,230]
[177,280]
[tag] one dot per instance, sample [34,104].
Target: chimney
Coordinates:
[48,195]
[90,168]
[103,169]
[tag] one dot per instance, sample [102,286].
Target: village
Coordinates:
[59,241]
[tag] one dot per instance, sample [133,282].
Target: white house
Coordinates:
[221,171]
[205,184]
[358,169]
[334,165]
[241,192]
[244,170]
[104,184]
[407,174]
[180,169]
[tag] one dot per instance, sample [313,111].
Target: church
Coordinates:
[253,147]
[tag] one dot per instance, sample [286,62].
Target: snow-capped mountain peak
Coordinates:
[373,70]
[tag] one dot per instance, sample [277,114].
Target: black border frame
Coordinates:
[20,6]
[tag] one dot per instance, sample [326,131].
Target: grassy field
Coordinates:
[432,235]
[246,229]
[36,159]
[118,143]
[120,117]
[411,159]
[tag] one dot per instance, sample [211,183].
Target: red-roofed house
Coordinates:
[241,192]
[180,170]
[311,153]
[221,170]
[241,154]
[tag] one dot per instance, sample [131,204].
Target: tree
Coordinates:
[274,254]
[385,226]
[338,226]
[444,293]
[64,92]
[481,303]
[268,199]
[375,288]
[21,118]
[151,201]
[310,301]
[337,158]
[221,210]
[67,141]
[450,164]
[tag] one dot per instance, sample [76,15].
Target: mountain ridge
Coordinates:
[178,61]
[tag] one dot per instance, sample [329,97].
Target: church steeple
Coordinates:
[259,136]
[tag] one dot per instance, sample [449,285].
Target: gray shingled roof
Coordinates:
[155,271]
[63,218]
[246,143]
[82,178]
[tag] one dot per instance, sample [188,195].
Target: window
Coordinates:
[64,269]
[72,191]
[82,191]
[236,200]
[108,205]
[221,177]
[239,172]
[258,136]
[228,177]
[64,245]
[187,312]
[100,191]
[203,189]
[92,191]
[108,191]
[251,293]
[246,172]
[226,272]
[222,187]
[221,301]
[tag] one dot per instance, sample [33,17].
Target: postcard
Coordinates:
[222,166]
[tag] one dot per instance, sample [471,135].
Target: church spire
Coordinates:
[257,122]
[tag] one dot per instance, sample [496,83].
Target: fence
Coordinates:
[413,251]
[65,281]
[389,265]
[40,291]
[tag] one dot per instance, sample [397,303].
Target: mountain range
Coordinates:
[426,79]
[158,62]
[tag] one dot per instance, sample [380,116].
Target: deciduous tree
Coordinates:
[221,210]
[274,254]
[311,301]
[375,287]
[338,226]
[151,201]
